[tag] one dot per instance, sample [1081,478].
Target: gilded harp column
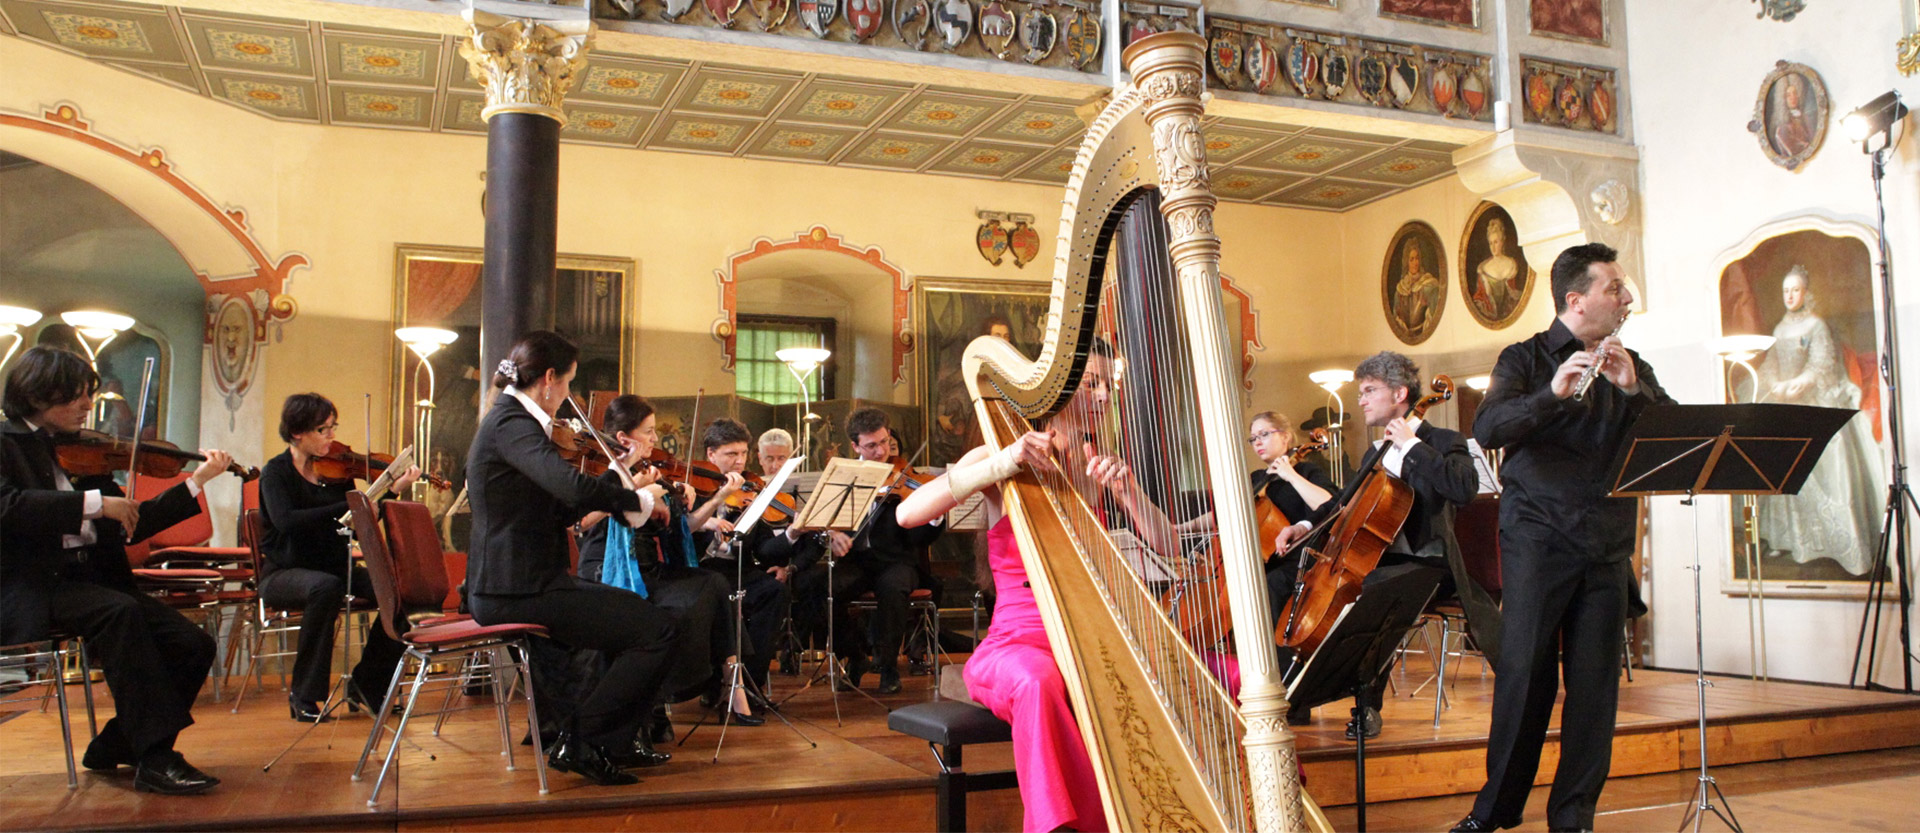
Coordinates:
[526,64]
[1167,71]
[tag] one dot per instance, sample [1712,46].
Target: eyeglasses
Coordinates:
[1256,438]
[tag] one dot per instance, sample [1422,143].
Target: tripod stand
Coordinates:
[737,680]
[1895,526]
[830,667]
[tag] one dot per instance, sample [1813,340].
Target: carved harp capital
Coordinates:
[526,65]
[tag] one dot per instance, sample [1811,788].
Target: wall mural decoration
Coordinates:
[439,286]
[1413,282]
[1576,20]
[817,238]
[1812,288]
[1790,115]
[1464,14]
[1495,279]
[247,296]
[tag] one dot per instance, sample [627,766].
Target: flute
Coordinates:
[1593,371]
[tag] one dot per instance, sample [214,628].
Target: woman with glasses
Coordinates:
[306,563]
[1294,490]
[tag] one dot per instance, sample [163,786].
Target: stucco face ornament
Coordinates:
[818,15]
[912,19]
[953,20]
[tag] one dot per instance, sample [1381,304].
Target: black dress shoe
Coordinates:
[358,700]
[659,727]
[743,719]
[856,668]
[1572,829]
[1471,824]
[919,668]
[789,664]
[889,682]
[571,754]
[1372,719]
[108,751]
[167,773]
[640,754]
[305,711]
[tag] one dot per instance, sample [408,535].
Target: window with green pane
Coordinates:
[758,374]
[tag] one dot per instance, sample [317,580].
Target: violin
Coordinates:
[706,480]
[1361,532]
[583,455]
[87,453]
[905,480]
[341,464]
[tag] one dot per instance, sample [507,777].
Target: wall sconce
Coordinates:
[11,320]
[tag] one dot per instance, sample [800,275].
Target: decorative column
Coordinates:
[527,61]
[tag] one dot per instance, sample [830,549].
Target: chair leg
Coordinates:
[523,670]
[1440,684]
[86,688]
[497,657]
[57,684]
[400,731]
[386,708]
[446,705]
[255,636]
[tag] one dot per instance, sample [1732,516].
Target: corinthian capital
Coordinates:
[526,64]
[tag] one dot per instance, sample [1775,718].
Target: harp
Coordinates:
[1151,590]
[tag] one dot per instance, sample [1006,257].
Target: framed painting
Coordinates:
[1790,115]
[1495,279]
[1460,14]
[1812,289]
[439,286]
[1584,21]
[950,313]
[1413,282]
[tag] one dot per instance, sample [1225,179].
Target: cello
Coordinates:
[1267,517]
[1355,538]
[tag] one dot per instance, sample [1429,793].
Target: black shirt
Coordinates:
[1285,497]
[1559,451]
[303,518]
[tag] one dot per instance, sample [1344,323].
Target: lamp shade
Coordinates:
[803,358]
[1331,379]
[424,340]
[95,323]
[1740,348]
[11,316]
[1481,382]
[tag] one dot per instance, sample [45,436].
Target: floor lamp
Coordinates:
[802,362]
[95,330]
[423,341]
[12,319]
[1332,381]
[1740,351]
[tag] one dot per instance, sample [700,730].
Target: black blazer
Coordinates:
[33,517]
[524,497]
[1440,470]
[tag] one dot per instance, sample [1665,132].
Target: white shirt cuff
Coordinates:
[1407,444]
[639,518]
[91,506]
[193,488]
[1303,525]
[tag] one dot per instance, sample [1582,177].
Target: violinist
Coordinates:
[775,449]
[1564,545]
[307,560]
[1435,464]
[524,496]
[63,554]
[661,565]
[769,554]
[884,559]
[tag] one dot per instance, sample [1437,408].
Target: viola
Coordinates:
[1360,533]
[87,453]
[341,464]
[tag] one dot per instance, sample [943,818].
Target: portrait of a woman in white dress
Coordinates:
[1837,513]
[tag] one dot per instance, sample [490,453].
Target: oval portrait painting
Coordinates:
[1413,283]
[1495,279]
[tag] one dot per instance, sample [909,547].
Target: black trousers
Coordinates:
[703,616]
[891,583]
[635,636]
[765,607]
[1556,607]
[155,662]
[319,596]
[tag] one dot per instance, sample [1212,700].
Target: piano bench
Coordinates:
[948,726]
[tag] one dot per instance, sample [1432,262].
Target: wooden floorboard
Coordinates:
[858,775]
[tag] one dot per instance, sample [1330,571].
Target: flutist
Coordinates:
[1564,546]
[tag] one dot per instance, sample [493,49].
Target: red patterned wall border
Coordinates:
[820,239]
[1249,330]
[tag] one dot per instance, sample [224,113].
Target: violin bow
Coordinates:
[139,427]
[686,448]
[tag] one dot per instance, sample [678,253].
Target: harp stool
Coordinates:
[948,726]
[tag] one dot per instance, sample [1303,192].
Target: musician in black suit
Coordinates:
[1564,545]
[1435,464]
[769,555]
[524,496]
[64,558]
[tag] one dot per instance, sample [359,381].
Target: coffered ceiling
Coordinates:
[323,73]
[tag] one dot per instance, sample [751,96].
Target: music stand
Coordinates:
[736,675]
[1358,654]
[842,500]
[1691,450]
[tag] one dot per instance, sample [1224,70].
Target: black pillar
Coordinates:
[523,198]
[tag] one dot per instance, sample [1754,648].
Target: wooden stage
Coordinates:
[860,776]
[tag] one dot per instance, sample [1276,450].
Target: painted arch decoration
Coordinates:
[726,327]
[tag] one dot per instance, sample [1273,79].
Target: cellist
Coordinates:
[1284,491]
[1433,461]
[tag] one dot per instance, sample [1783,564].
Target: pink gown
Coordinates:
[1013,674]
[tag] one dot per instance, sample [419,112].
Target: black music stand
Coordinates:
[1358,655]
[843,500]
[1691,450]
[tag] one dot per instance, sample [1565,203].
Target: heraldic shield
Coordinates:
[817,15]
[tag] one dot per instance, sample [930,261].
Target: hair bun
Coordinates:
[508,369]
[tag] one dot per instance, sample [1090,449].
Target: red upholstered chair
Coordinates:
[259,620]
[428,646]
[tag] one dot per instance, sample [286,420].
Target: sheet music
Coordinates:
[1145,562]
[857,480]
[970,515]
